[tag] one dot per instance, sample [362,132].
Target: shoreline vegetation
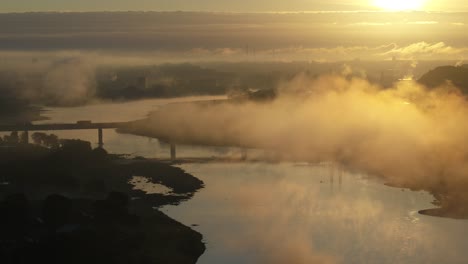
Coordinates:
[69,203]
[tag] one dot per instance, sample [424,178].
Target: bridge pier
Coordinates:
[64,126]
[100,138]
[25,136]
[173,151]
[243,154]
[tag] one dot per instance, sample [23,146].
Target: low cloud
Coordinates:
[69,82]
[415,51]
[424,50]
[408,135]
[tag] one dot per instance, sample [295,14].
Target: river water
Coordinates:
[286,212]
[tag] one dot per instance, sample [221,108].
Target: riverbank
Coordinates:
[73,204]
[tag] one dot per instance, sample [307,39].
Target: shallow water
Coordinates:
[286,213]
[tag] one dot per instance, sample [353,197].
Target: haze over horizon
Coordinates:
[170,36]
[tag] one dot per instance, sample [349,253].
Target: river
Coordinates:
[286,212]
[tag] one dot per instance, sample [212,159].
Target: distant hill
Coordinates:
[457,75]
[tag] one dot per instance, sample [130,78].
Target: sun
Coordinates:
[399,5]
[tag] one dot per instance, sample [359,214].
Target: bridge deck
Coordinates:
[65,126]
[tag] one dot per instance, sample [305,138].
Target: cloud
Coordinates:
[408,135]
[424,50]
[69,82]
[68,76]
[414,51]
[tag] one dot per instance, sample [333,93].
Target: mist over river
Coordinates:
[254,212]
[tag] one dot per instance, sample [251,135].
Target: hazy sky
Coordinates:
[217,5]
[311,36]
[247,33]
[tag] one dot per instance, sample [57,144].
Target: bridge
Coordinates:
[80,125]
[64,126]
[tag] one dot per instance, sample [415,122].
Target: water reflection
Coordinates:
[287,213]
[281,213]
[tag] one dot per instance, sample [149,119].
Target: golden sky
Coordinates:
[319,36]
[332,30]
[230,6]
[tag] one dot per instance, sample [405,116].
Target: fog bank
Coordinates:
[411,136]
